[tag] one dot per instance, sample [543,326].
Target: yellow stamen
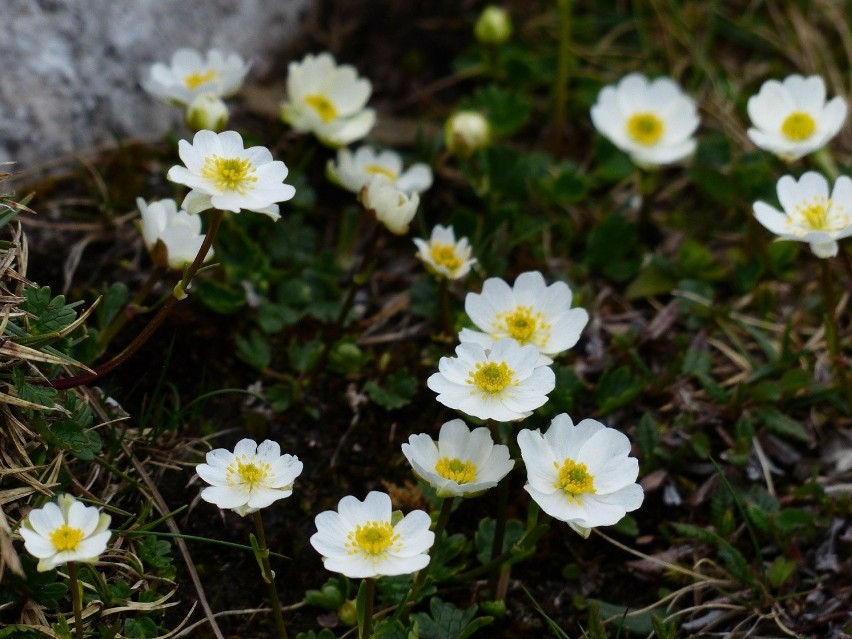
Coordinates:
[522,324]
[377,169]
[645,128]
[445,255]
[246,471]
[197,78]
[229,174]
[492,377]
[575,479]
[322,105]
[373,538]
[66,538]
[798,126]
[454,469]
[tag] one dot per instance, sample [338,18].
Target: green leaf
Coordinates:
[50,315]
[617,388]
[484,538]
[611,248]
[506,111]
[113,300]
[399,390]
[254,350]
[272,318]
[390,629]
[331,596]
[779,423]
[71,435]
[652,280]
[780,571]
[142,628]
[446,621]
[218,297]
[35,393]
[155,552]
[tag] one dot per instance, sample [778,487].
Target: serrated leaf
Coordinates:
[446,621]
[399,390]
[84,444]
[254,350]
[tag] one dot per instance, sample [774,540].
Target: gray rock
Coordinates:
[71,68]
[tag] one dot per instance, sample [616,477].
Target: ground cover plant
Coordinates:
[495,321]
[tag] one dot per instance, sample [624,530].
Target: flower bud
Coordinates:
[348,613]
[392,207]
[466,132]
[207,111]
[494,26]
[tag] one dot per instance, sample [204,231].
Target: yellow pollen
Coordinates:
[197,78]
[645,128]
[454,469]
[575,479]
[798,126]
[445,255]
[373,538]
[377,169]
[246,471]
[66,538]
[522,324]
[492,377]
[229,174]
[322,105]
[815,214]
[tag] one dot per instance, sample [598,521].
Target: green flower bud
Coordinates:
[494,26]
[207,111]
[466,132]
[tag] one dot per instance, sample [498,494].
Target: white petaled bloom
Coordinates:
[530,312]
[360,540]
[327,100]
[466,132]
[172,237]
[582,475]
[207,111]
[791,118]
[64,531]
[224,175]
[810,214]
[190,74]
[650,120]
[462,463]
[391,206]
[250,478]
[353,171]
[443,255]
[504,383]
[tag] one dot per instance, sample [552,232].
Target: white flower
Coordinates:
[792,118]
[191,74]
[172,237]
[360,539]
[354,171]
[327,100]
[65,531]
[443,255]
[224,175]
[463,463]
[250,478]
[207,111]
[811,215]
[651,121]
[391,206]
[504,383]
[531,312]
[581,474]
[465,132]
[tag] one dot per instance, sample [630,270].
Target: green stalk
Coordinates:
[369,596]
[832,331]
[499,519]
[560,97]
[444,301]
[269,577]
[77,599]
[826,163]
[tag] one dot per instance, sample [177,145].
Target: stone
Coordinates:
[72,68]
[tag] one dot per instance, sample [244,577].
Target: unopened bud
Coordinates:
[494,26]
[207,111]
[466,132]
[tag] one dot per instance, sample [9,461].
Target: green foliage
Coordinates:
[399,390]
[446,621]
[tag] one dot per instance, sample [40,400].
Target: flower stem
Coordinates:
[369,596]
[560,97]
[500,518]
[269,577]
[125,314]
[826,163]
[77,599]
[156,321]
[832,332]
[444,301]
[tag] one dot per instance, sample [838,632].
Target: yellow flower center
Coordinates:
[229,174]
[322,105]
[645,128]
[798,126]
[378,169]
[575,479]
[249,472]
[454,469]
[197,78]
[373,538]
[522,324]
[66,538]
[815,214]
[445,255]
[492,377]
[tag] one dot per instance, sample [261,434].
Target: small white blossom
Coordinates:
[391,206]
[360,540]
[190,74]
[791,118]
[462,463]
[353,171]
[252,477]
[466,132]
[224,175]
[652,121]
[327,100]
[504,383]
[582,475]
[810,214]
[530,312]
[207,111]
[172,237]
[443,255]
[65,531]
